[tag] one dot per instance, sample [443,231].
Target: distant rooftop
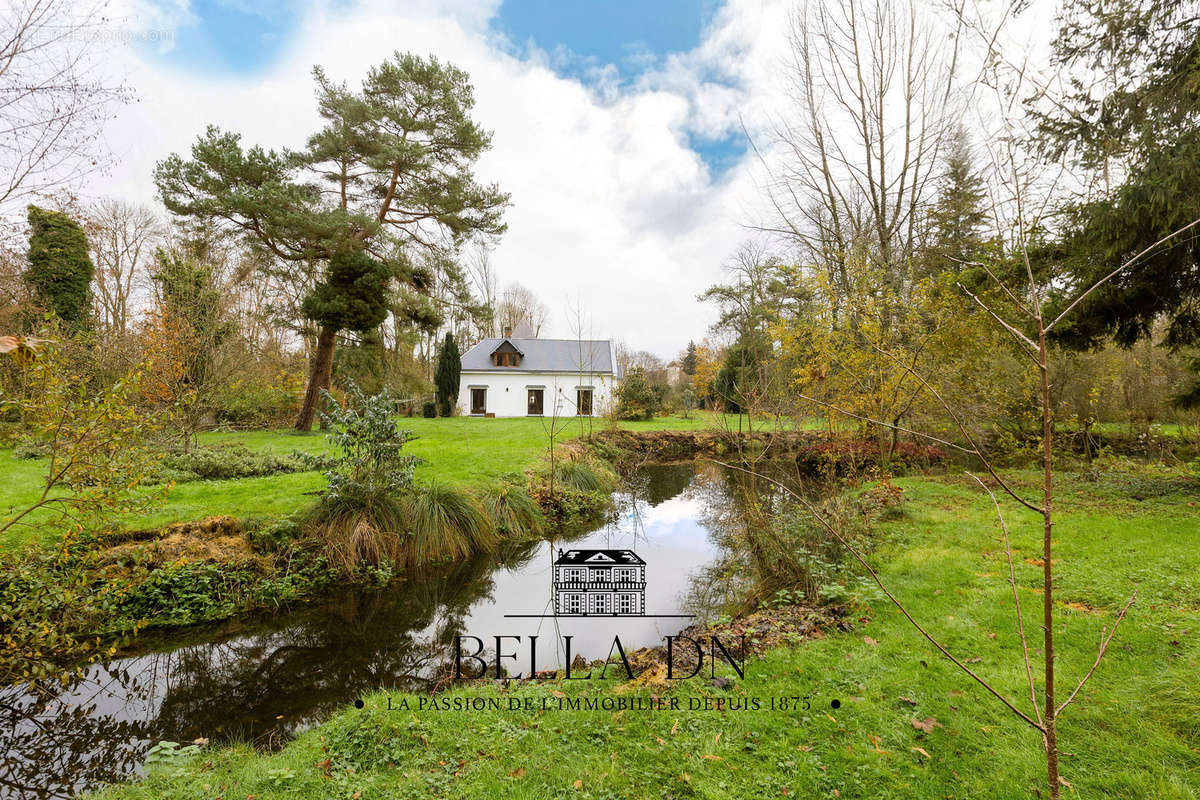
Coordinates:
[544,355]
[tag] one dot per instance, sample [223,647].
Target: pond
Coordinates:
[261,680]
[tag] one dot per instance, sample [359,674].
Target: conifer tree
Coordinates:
[449,368]
[60,270]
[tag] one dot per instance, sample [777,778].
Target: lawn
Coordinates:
[1135,731]
[457,450]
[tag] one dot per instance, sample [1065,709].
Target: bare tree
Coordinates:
[518,305]
[53,100]
[123,237]
[854,158]
[484,279]
[585,363]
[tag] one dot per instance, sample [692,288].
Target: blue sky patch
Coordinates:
[632,35]
[228,37]
[587,41]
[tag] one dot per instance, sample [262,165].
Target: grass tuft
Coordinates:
[444,522]
[514,513]
[354,536]
[585,477]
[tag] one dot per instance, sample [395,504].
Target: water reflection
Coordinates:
[260,680]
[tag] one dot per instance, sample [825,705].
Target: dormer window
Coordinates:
[506,355]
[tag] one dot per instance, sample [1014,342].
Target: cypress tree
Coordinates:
[449,368]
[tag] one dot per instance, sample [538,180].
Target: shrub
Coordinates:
[46,600]
[566,505]
[370,464]
[27,451]
[225,463]
[360,516]
[95,439]
[258,403]
[635,398]
[274,536]
[429,409]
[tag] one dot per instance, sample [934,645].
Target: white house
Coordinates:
[510,377]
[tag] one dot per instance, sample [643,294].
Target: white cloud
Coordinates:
[609,203]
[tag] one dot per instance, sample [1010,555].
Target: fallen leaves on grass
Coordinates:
[927,724]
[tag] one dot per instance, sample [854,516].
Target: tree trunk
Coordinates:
[322,368]
[1049,721]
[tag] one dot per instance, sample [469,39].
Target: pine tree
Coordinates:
[446,378]
[956,222]
[1142,125]
[390,173]
[60,270]
[688,363]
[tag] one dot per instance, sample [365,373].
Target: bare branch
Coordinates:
[1020,336]
[879,582]
[1099,655]
[1012,581]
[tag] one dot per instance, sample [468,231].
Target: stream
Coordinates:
[263,679]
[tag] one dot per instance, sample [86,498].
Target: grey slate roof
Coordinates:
[544,355]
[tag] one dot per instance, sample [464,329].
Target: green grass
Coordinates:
[1135,731]
[460,451]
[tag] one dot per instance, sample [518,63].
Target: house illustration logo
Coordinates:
[595,583]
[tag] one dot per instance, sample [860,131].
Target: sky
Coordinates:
[618,127]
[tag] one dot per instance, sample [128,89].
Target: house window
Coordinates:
[601,604]
[479,401]
[506,359]
[600,575]
[626,604]
[583,402]
[574,603]
[627,574]
[535,402]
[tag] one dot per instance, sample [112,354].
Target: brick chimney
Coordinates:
[507,331]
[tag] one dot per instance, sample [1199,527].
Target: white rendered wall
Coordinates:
[507,392]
